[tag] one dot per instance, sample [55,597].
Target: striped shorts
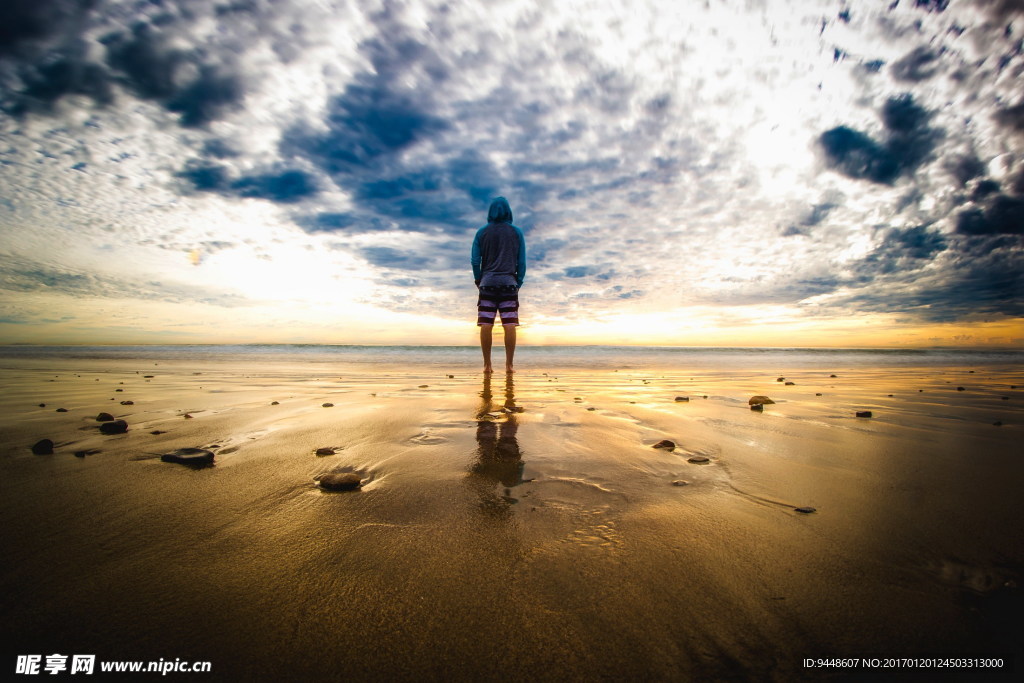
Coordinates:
[501,301]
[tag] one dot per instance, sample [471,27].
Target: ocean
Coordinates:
[581,357]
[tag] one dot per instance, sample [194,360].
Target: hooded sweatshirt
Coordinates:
[499,249]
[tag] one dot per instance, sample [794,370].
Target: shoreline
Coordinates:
[535,535]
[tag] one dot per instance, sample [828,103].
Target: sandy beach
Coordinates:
[520,528]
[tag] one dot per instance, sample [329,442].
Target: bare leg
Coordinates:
[485,346]
[510,346]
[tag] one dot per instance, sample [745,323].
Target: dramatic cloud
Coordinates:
[683,166]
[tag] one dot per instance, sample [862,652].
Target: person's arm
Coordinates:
[475,259]
[521,265]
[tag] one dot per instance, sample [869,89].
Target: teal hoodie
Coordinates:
[498,256]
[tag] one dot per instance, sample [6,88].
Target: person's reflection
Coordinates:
[499,460]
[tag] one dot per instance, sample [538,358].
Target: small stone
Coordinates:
[275,403]
[187,416]
[997,423]
[863,413]
[62,410]
[680,482]
[42,405]
[90,451]
[806,510]
[591,408]
[781,379]
[328,405]
[960,389]
[682,399]
[833,375]
[817,394]
[665,443]
[115,427]
[194,457]
[757,407]
[346,481]
[158,431]
[147,376]
[1006,398]
[325,451]
[424,386]
[698,459]
[104,417]
[451,376]
[127,403]
[790,384]
[43,447]
[756,400]
[116,390]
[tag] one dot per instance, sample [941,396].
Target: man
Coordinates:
[499,266]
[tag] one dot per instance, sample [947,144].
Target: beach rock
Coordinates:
[116,390]
[666,444]
[328,405]
[863,413]
[344,481]
[833,375]
[781,379]
[147,376]
[790,384]
[960,389]
[682,399]
[1006,398]
[127,403]
[817,394]
[760,400]
[62,410]
[104,417]
[757,407]
[194,457]
[187,416]
[451,376]
[591,408]
[424,386]
[698,459]
[89,451]
[115,427]
[325,451]
[806,510]
[680,482]
[43,447]
[158,431]
[997,423]
[275,403]
[42,405]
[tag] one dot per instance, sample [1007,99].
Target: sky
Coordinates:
[719,173]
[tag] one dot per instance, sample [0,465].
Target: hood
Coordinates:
[500,211]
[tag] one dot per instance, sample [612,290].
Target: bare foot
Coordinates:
[509,370]
[488,370]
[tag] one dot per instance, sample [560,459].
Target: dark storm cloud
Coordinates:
[25,24]
[1003,215]
[285,186]
[1012,117]
[909,142]
[918,65]
[965,167]
[51,59]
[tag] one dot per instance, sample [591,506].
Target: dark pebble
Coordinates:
[189,456]
[817,394]
[960,389]
[90,451]
[328,405]
[591,408]
[1006,398]
[997,424]
[665,443]
[104,417]
[42,405]
[116,390]
[682,399]
[424,386]
[158,431]
[187,416]
[755,400]
[275,403]
[62,410]
[147,376]
[863,413]
[43,447]
[325,451]
[127,403]
[346,481]
[698,459]
[805,510]
[757,407]
[451,376]
[833,375]
[781,379]
[790,384]
[115,427]
[680,482]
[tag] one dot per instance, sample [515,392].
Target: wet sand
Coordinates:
[514,530]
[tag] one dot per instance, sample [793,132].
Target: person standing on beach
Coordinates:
[499,267]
